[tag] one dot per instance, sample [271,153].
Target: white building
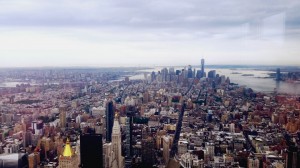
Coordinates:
[109,156]
[98,111]
[182,147]
[189,160]
[116,143]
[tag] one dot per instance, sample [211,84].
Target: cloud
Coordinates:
[135,31]
[134,13]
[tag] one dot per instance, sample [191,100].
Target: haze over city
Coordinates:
[146,33]
[149,84]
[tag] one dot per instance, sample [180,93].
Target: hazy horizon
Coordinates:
[148,33]
[222,66]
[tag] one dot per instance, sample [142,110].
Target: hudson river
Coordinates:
[257,79]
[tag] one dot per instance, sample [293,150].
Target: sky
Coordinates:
[38,33]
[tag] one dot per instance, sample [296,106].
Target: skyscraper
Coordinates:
[164,74]
[116,142]
[62,116]
[166,148]
[153,76]
[91,151]
[212,74]
[148,156]
[109,159]
[278,75]
[292,157]
[190,72]
[13,160]
[27,138]
[129,120]
[109,120]
[68,159]
[202,68]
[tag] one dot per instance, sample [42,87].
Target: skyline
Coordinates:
[153,33]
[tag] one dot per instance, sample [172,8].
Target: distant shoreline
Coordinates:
[231,67]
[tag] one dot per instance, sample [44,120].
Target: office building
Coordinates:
[153,76]
[164,74]
[91,154]
[109,159]
[116,143]
[129,120]
[148,146]
[166,148]
[109,120]
[190,72]
[27,138]
[202,67]
[62,116]
[172,71]
[293,157]
[68,159]
[198,74]
[212,74]
[14,160]
[278,74]
[146,97]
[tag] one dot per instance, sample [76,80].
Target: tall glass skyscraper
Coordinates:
[109,120]
[190,72]
[129,120]
[202,67]
[278,75]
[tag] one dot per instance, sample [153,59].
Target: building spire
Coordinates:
[68,150]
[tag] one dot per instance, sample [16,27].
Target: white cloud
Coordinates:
[117,32]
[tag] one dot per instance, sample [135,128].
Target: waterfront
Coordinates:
[258,80]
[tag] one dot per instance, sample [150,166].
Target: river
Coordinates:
[258,82]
